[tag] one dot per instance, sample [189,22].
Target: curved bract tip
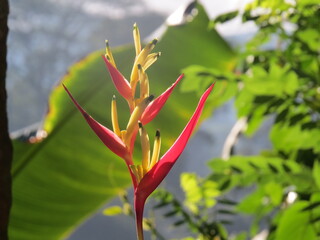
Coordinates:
[109,138]
[154,107]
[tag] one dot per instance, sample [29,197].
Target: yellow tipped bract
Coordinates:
[136,38]
[109,55]
[145,145]
[151,59]
[114,117]
[156,150]
[144,83]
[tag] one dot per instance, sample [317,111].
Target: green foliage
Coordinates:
[273,178]
[198,194]
[196,215]
[223,91]
[316,173]
[226,17]
[278,77]
[111,211]
[295,224]
[244,171]
[61,179]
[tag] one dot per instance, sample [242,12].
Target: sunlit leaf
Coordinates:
[294,224]
[226,17]
[111,211]
[198,78]
[274,191]
[316,173]
[311,37]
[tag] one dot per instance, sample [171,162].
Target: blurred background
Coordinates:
[46,37]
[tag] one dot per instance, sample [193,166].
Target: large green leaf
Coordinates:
[60,180]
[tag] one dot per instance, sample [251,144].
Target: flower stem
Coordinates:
[154,233]
[139,207]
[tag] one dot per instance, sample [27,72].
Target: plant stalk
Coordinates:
[139,207]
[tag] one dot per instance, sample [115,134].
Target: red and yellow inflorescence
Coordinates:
[143,107]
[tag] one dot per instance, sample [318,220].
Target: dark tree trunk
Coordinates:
[5,143]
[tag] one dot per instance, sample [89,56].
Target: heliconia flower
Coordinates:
[153,177]
[149,174]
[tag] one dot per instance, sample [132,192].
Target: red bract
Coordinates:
[121,84]
[109,138]
[154,107]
